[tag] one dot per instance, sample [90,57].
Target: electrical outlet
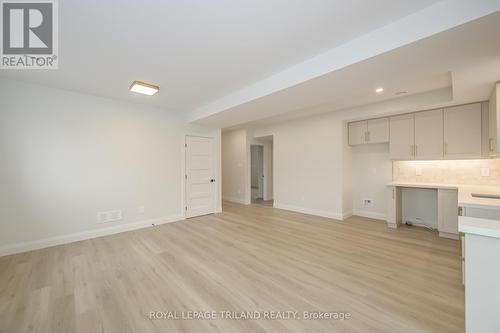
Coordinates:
[418,171]
[109,216]
[485,172]
[367,202]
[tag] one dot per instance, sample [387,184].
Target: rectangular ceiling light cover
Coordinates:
[144,88]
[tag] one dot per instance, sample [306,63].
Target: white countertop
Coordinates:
[476,226]
[424,185]
[465,199]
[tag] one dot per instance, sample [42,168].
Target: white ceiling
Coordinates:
[227,62]
[460,65]
[198,51]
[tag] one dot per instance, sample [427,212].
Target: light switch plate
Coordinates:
[418,171]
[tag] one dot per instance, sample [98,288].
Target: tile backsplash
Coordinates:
[465,172]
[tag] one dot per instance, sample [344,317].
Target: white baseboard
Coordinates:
[448,235]
[236,200]
[64,239]
[322,213]
[346,215]
[370,215]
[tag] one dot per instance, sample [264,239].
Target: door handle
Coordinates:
[212,180]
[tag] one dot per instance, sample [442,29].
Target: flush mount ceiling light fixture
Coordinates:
[379,90]
[144,88]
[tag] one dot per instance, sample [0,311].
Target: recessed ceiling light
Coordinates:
[144,88]
[379,90]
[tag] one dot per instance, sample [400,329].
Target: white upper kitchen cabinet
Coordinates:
[369,131]
[494,117]
[462,131]
[378,130]
[429,134]
[357,132]
[401,137]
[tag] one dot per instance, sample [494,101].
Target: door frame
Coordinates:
[216,160]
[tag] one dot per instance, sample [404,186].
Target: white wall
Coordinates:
[65,156]
[235,166]
[371,171]
[308,164]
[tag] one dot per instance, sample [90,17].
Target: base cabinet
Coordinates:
[448,213]
[393,218]
[482,288]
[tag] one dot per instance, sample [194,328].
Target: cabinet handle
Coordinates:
[416,150]
[491,145]
[445,148]
[368,135]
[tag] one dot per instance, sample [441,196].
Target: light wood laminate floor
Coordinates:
[249,258]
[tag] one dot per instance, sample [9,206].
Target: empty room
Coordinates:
[250,166]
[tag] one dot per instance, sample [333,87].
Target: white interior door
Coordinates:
[200,176]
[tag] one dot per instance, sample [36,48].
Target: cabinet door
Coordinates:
[378,130]
[462,131]
[401,137]
[357,132]
[494,110]
[448,211]
[429,134]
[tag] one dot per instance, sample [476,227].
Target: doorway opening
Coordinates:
[261,170]
[257,173]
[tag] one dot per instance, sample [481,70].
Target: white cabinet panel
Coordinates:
[482,290]
[401,133]
[393,206]
[429,134]
[378,130]
[462,131]
[448,212]
[494,111]
[357,132]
